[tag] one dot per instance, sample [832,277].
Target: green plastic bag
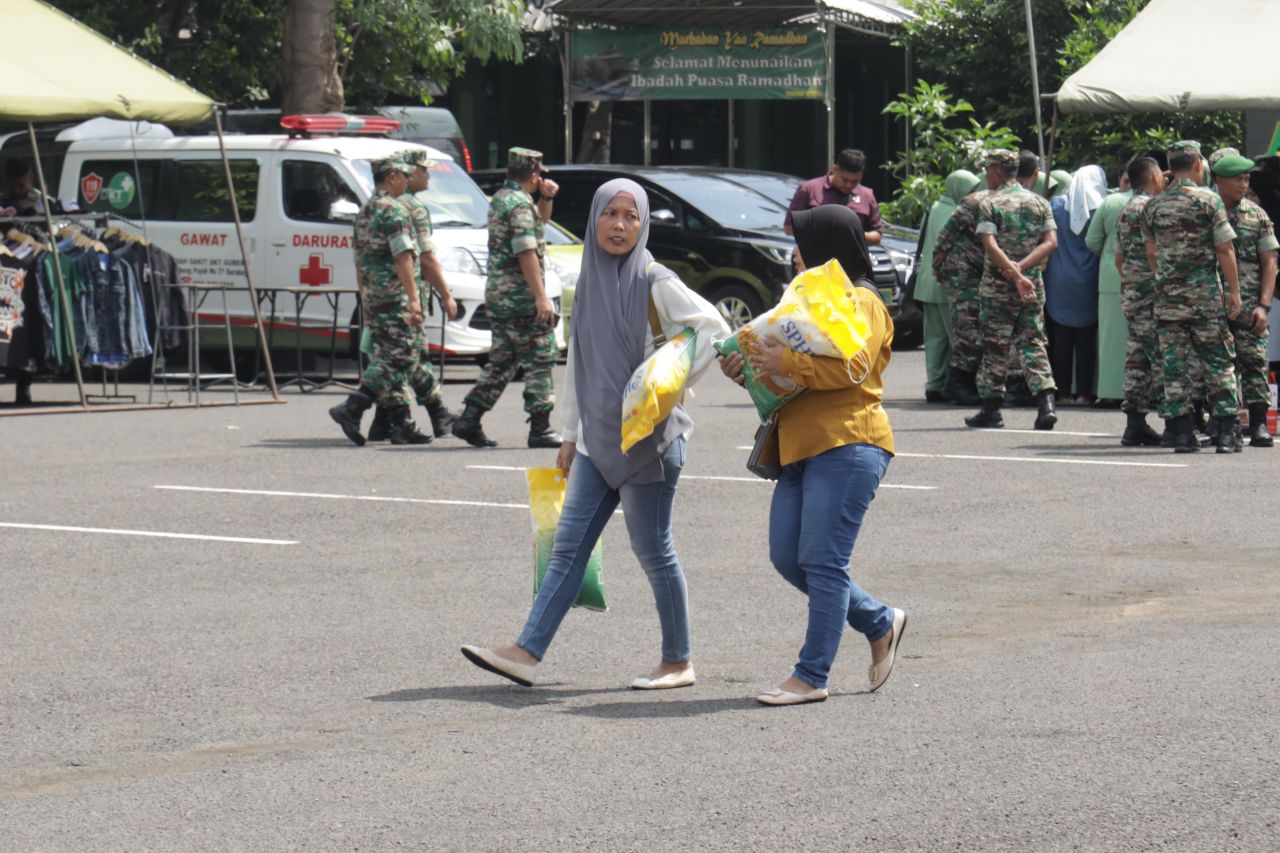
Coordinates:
[546,499]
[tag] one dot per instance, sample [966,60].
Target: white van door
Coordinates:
[310,255]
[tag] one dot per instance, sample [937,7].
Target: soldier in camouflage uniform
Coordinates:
[1186,227]
[520,313]
[422,381]
[1018,232]
[386,249]
[1143,381]
[958,259]
[1255,246]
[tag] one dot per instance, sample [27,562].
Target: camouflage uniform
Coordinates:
[1018,218]
[1185,222]
[518,339]
[958,260]
[423,381]
[1254,234]
[1143,377]
[383,230]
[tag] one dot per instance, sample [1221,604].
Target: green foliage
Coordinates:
[979,49]
[943,139]
[386,48]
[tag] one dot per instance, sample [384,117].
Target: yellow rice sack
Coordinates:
[546,500]
[656,386]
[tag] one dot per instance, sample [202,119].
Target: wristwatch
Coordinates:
[1266,307]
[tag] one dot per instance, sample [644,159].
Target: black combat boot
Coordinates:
[347,414]
[989,417]
[468,427]
[1169,438]
[442,419]
[540,432]
[1224,429]
[931,396]
[961,387]
[1017,394]
[1047,416]
[1185,440]
[403,429]
[1258,435]
[380,429]
[1137,433]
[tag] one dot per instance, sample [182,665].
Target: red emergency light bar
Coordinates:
[338,123]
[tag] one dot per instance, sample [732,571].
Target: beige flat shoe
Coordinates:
[520,673]
[683,678]
[778,696]
[879,672]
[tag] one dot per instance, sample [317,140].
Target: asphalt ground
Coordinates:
[1092,659]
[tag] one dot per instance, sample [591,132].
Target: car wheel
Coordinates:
[737,304]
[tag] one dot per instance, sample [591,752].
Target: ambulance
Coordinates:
[298,194]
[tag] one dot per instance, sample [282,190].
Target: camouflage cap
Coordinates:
[395,163]
[416,157]
[524,158]
[1184,146]
[999,157]
[1231,165]
[1220,153]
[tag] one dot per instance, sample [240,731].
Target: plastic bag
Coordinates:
[546,499]
[817,315]
[655,387]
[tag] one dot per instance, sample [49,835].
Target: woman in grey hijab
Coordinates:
[620,289]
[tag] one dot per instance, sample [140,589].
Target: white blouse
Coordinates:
[677,307]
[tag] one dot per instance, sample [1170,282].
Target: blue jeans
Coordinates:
[818,506]
[588,505]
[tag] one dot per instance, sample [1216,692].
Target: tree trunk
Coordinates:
[311,81]
[597,133]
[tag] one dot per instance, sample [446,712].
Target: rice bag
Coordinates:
[655,387]
[817,315]
[546,499]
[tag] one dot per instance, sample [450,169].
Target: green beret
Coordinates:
[394,163]
[1184,146]
[1220,153]
[416,157]
[524,158]
[1232,165]
[999,157]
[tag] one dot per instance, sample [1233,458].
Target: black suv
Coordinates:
[723,239]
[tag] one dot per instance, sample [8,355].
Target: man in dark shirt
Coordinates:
[842,185]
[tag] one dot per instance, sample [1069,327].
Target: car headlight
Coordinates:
[902,261]
[460,260]
[774,252]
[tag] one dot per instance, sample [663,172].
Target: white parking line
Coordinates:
[333,497]
[1045,459]
[1048,432]
[703,477]
[149,533]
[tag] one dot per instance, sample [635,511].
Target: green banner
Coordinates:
[679,65]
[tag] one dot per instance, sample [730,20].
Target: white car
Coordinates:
[298,196]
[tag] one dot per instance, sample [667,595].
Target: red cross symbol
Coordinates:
[315,274]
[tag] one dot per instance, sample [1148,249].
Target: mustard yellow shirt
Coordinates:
[834,411]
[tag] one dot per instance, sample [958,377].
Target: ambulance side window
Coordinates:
[200,190]
[111,186]
[309,190]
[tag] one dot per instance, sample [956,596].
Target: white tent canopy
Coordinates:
[1184,56]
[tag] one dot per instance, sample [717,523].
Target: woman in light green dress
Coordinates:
[1113,331]
[937,319]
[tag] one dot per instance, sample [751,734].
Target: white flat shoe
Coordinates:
[520,673]
[879,672]
[778,696]
[683,678]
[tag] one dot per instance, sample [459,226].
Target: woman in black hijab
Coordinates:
[834,447]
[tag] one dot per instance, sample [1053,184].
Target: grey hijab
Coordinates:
[610,330]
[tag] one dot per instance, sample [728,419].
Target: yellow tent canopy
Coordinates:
[73,72]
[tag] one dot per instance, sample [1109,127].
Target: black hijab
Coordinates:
[833,231]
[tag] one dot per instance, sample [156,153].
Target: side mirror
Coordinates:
[344,210]
[662,217]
